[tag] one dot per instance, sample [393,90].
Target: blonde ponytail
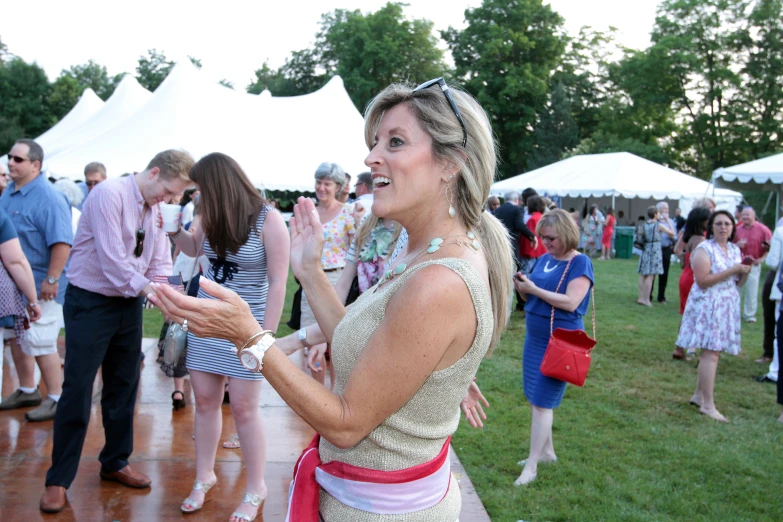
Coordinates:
[500,262]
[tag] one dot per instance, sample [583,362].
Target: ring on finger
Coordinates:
[184,325]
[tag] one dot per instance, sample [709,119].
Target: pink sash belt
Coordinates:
[382,492]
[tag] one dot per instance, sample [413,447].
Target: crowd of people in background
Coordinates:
[718,286]
[422,226]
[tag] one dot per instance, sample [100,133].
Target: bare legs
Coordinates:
[25,365]
[51,370]
[245,399]
[705,385]
[245,396]
[541,448]
[606,253]
[645,285]
[208,391]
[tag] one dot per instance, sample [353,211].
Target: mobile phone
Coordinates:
[747,260]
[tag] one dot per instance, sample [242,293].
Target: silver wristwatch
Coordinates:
[302,336]
[252,357]
[51,280]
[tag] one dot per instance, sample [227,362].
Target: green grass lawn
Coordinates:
[629,445]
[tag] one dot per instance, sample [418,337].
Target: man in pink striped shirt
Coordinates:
[118,250]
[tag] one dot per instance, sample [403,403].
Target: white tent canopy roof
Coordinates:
[278,141]
[766,172]
[619,174]
[89,104]
[127,98]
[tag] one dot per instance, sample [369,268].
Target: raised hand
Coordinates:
[471,406]
[307,238]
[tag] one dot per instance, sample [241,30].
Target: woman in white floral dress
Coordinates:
[712,314]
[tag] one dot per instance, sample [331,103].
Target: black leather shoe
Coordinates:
[764,378]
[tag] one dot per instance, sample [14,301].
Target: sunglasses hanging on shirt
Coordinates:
[140,233]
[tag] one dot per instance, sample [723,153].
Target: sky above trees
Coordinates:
[234,37]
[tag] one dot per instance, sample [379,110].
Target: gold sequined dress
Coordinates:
[416,432]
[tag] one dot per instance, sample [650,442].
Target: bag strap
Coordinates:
[557,290]
[195,264]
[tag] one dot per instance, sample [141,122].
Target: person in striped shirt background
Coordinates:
[117,252]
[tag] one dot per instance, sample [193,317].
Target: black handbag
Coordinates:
[638,237]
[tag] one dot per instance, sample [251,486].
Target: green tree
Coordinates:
[556,132]
[759,107]
[584,74]
[370,51]
[226,83]
[24,93]
[505,57]
[694,60]
[265,78]
[65,93]
[94,76]
[153,68]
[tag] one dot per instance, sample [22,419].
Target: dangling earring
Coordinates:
[450,199]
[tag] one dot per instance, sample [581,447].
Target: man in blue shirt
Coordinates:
[42,218]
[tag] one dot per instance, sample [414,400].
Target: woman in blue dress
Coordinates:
[560,236]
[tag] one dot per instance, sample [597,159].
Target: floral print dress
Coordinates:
[337,238]
[712,316]
[651,260]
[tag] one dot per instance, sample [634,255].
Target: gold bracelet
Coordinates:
[252,337]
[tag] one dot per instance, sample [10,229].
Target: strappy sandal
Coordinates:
[197,486]
[233,443]
[254,500]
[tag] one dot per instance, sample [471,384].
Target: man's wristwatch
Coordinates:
[52,280]
[302,336]
[252,357]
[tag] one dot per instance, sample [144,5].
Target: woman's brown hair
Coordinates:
[229,203]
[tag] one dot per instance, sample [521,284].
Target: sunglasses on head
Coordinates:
[445,88]
[17,159]
[139,243]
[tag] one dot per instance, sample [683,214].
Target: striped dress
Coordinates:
[245,274]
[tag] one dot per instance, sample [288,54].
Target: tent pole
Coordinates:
[614,209]
[777,207]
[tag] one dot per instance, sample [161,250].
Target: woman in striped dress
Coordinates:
[247,244]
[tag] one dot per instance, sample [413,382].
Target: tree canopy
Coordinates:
[705,93]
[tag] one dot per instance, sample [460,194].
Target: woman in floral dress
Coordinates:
[651,260]
[711,320]
[338,229]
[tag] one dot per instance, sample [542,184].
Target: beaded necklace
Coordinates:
[431,248]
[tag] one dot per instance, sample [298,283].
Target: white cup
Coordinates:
[170,215]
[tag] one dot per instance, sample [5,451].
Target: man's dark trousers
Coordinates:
[768,306]
[663,279]
[101,332]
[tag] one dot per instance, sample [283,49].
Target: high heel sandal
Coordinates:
[233,443]
[197,486]
[254,500]
[178,403]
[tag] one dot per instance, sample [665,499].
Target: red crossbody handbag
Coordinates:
[567,357]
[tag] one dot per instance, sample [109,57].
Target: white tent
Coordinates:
[763,174]
[127,98]
[279,142]
[89,103]
[603,178]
